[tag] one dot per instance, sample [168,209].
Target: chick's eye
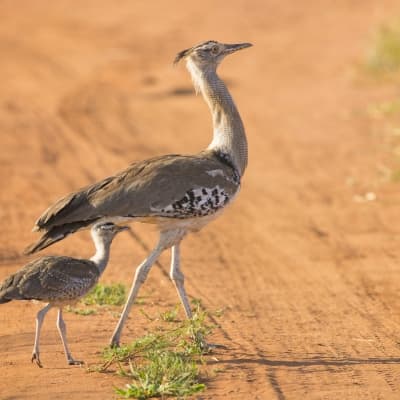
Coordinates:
[214,49]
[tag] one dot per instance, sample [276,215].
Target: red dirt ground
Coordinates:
[307,274]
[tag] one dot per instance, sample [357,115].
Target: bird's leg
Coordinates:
[140,276]
[178,279]
[63,333]
[39,321]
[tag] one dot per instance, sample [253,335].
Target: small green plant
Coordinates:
[81,311]
[384,62]
[112,295]
[100,295]
[164,374]
[170,315]
[385,53]
[165,362]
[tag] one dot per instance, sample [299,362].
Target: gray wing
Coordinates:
[141,190]
[168,186]
[51,278]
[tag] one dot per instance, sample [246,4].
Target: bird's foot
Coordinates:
[205,346]
[71,361]
[214,346]
[35,358]
[114,343]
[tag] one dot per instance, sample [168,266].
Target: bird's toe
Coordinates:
[214,346]
[114,344]
[75,362]
[205,346]
[35,358]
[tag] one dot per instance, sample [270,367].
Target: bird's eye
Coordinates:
[215,49]
[106,226]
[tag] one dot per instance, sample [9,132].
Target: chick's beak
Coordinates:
[123,228]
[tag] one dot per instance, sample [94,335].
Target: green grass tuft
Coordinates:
[385,53]
[163,374]
[170,315]
[81,311]
[165,362]
[101,295]
[112,295]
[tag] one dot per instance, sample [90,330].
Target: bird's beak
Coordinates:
[231,48]
[123,228]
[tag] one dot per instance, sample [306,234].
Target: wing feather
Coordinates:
[49,278]
[139,190]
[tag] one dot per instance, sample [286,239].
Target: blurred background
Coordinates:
[305,263]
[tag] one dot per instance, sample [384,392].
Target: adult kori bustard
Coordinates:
[178,193]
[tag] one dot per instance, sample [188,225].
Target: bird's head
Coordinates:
[209,54]
[107,231]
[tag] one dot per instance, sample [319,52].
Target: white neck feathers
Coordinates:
[229,134]
[102,254]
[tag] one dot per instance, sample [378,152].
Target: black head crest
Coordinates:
[181,55]
[184,53]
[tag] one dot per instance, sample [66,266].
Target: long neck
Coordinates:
[102,254]
[229,135]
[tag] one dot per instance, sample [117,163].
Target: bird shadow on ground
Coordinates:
[273,365]
[310,361]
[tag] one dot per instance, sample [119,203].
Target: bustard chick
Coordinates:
[59,281]
[178,193]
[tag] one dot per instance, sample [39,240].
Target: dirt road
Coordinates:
[305,266]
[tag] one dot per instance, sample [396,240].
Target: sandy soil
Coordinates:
[305,269]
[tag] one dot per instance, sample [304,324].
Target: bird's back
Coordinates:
[50,278]
[143,189]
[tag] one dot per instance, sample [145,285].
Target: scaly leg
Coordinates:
[167,239]
[178,278]
[140,276]
[39,321]
[63,333]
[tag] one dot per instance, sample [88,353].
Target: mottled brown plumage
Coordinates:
[54,279]
[58,281]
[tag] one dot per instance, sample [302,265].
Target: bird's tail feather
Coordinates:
[46,240]
[56,234]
